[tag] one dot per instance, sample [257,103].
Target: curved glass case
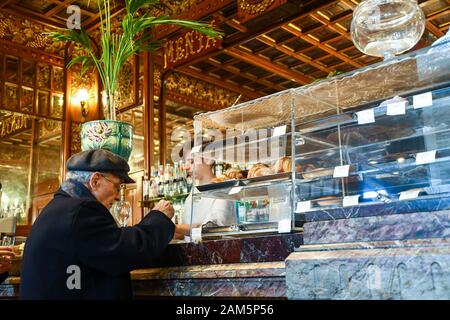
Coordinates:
[377,135]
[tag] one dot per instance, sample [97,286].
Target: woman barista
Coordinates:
[217,211]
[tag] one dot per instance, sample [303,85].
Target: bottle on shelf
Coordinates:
[241,212]
[167,181]
[218,169]
[161,180]
[122,209]
[154,184]
[146,188]
[183,182]
[175,176]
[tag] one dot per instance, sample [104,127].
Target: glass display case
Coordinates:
[376,135]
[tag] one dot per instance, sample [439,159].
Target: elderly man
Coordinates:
[75,249]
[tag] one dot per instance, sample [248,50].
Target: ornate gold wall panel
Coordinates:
[125,94]
[174,8]
[28,33]
[200,90]
[49,128]
[254,6]
[75,135]
[14,123]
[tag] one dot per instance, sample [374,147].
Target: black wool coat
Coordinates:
[75,250]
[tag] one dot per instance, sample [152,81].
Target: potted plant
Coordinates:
[115,49]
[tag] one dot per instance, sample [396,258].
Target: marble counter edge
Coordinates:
[233,270]
[369,251]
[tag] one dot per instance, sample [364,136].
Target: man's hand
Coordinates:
[6,256]
[165,207]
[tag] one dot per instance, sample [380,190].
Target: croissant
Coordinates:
[233,173]
[285,165]
[259,170]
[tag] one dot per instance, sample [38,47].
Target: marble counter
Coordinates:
[240,280]
[241,250]
[410,269]
[419,225]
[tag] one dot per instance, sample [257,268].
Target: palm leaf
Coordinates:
[62,35]
[202,27]
[86,63]
[134,5]
[116,49]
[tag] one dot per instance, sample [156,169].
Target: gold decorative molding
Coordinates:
[174,8]
[254,6]
[28,33]
[187,46]
[58,79]
[200,90]
[43,75]
[49,128]
[181,85]
[14,123]
[75,135]
[125,94]
[157,76]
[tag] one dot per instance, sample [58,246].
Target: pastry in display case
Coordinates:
[376,135]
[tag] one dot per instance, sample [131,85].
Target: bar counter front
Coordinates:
[345,193]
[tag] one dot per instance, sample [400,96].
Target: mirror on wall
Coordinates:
[15,152]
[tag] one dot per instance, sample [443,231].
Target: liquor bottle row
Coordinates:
[167,181]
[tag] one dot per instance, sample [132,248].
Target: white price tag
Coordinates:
[284,226]
[279,131]
[196,190]
[366,116]
[235,190]
[349,201]
[426,157]
[196,149]
[423,100]
[303,206]
[410,194]
[341,171]
[196,234]
[396,108]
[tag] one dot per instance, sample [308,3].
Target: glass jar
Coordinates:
[384,28]
[122,209]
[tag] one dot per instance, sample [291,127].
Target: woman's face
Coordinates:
[202,166]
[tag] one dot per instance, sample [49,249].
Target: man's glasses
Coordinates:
[114,184]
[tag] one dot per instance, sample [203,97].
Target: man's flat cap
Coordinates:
[102,161]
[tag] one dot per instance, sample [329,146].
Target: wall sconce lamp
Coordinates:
[83,97]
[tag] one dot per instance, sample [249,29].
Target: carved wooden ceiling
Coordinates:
[301,42]
[297,50]
[274,51]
